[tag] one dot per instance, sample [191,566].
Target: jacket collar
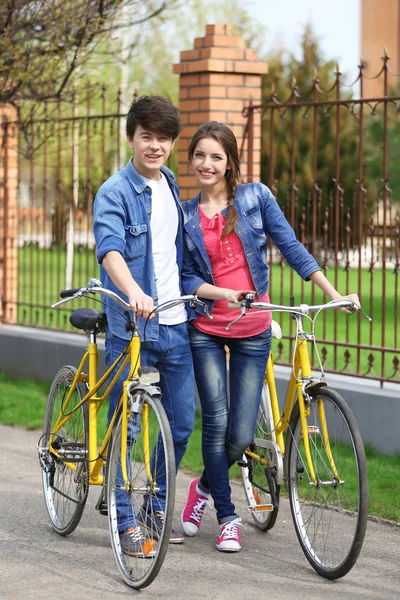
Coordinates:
[137,180]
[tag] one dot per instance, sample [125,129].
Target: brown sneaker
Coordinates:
[154,521]
[134,543]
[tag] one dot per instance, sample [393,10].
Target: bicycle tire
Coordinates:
[256,486]
[330,519]
[139,571]
[65,489]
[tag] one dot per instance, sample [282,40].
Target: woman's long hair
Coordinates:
[225,136]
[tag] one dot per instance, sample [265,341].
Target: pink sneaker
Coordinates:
[195,506]
[229,538]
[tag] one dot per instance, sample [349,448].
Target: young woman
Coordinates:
[226,229]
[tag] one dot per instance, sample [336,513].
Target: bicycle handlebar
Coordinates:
[94,286]
[300,309]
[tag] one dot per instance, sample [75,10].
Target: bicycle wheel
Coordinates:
[65,471]
[258,483]
[330,517]
[140,518]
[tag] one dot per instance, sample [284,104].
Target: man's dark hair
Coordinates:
[156,114]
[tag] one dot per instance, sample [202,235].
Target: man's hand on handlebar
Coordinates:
[141,304]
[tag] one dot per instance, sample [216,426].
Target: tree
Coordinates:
[44,43]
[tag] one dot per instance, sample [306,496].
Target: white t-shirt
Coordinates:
[164,227]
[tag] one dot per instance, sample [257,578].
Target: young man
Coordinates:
[139,238]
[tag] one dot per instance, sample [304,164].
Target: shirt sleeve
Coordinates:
[109,225]
[281,233]
[191,276]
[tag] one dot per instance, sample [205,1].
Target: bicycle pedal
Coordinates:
[101,505]
[261,508]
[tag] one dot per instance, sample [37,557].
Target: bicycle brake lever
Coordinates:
[195,303]
[235,321]
[365,315]
[64,300]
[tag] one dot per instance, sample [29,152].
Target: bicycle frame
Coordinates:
[96,456]
[301,375]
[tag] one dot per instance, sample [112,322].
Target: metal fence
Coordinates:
[330,156]
[64,158]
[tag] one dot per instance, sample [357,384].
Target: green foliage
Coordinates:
[22,402]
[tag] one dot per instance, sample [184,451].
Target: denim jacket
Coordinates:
[122,210]
[259,216]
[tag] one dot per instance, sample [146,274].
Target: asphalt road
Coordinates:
[36,563]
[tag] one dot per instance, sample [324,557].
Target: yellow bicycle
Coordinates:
[312,444]
[135,455]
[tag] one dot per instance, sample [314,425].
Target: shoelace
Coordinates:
[136,534]
[230,530]
[161,515]
[199,508]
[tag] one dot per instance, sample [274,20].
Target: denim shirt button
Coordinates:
[208,272]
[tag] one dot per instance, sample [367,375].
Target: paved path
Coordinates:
[36,563]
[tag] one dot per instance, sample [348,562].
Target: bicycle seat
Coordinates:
[88,319]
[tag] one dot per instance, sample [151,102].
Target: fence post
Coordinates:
[8,214]
[218,78]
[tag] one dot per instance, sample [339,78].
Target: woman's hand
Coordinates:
[236,295]
[354,298]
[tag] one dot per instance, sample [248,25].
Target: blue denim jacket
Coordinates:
[122,210]
[259,216]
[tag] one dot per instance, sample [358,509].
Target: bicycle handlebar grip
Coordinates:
[69,293]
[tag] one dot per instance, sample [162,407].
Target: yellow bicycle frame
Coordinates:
[300,372]
[96,456]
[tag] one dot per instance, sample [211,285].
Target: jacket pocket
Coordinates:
[254,218]
[136,240]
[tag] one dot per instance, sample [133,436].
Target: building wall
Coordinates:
[380,28]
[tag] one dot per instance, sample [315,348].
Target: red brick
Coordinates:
[219,29]
[190,55]
[189,105]
[225,53]
[225,79]
[231,41]
[205,91]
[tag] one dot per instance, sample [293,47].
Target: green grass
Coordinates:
[22,403]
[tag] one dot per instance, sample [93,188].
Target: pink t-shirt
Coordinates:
[230,270]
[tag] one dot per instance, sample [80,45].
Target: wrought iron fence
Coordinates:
[64,157]
[330,157]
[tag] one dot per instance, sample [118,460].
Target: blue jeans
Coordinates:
[172,357]
[227,425]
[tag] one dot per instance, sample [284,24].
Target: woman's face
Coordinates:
[209,162]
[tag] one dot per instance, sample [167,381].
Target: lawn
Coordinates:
[22,403]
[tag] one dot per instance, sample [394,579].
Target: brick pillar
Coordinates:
[8,214]
[218,78]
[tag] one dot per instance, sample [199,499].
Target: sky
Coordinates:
[337,23]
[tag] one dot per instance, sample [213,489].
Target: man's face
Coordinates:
[151,150]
